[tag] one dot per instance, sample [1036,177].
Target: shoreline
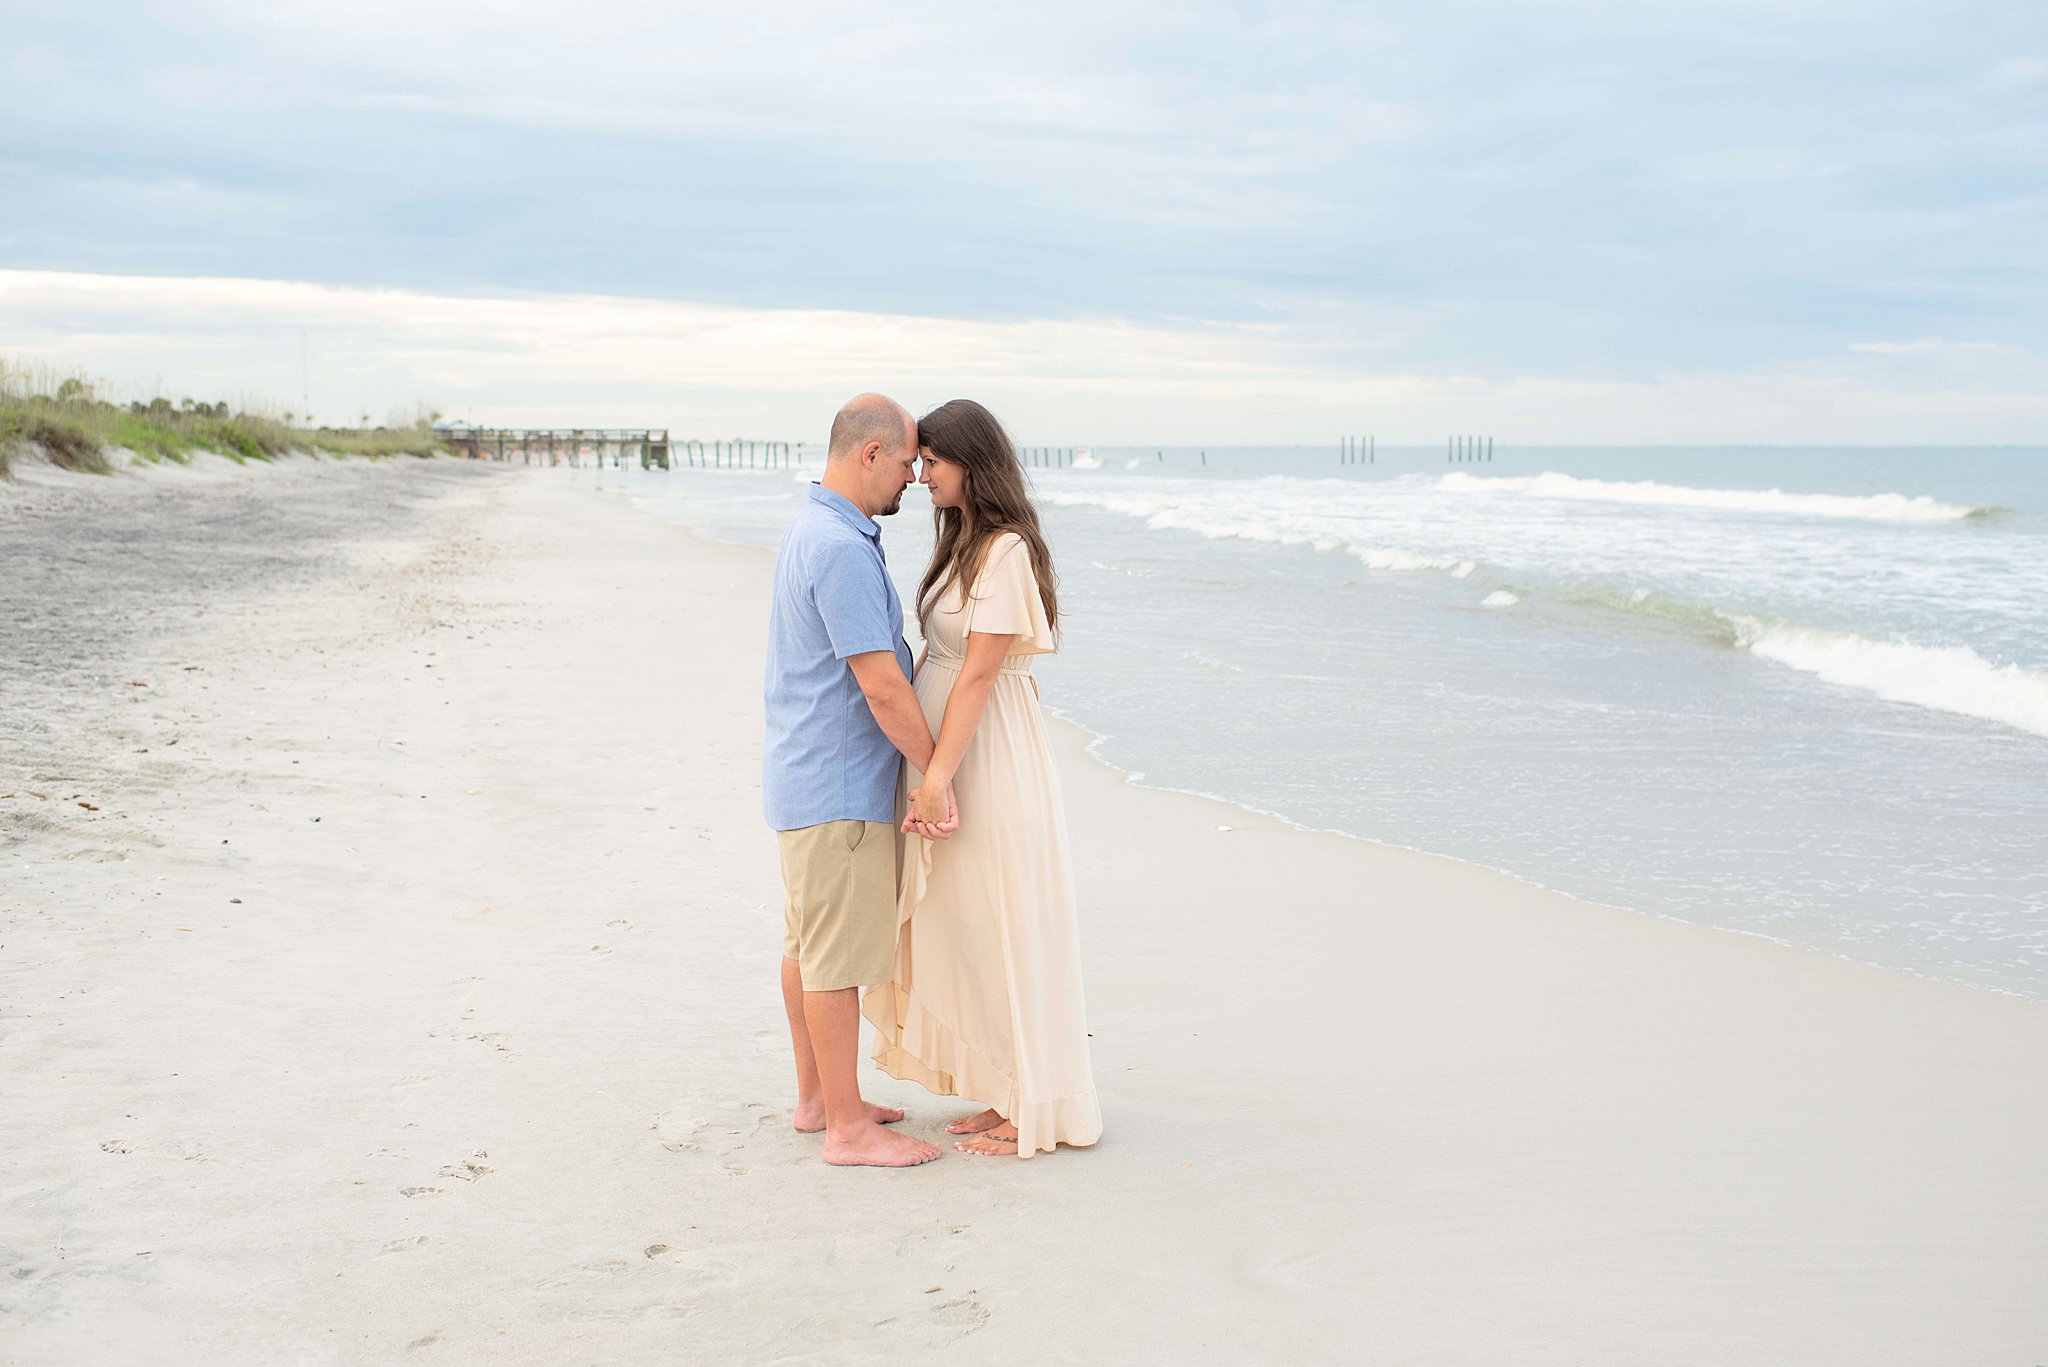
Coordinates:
[1091,748]
[209,466]
[1093,741]
[466,1044]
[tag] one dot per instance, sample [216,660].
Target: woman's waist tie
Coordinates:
[1012,664]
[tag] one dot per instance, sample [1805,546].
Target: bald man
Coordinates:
[842,718]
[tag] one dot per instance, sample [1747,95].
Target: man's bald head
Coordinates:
[873,455]
[871,418]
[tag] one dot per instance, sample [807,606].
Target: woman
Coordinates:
[986,1001]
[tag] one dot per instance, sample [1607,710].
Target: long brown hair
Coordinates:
[966,434]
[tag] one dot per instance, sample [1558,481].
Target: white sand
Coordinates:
[419,1004]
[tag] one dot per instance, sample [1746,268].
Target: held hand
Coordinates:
[933,814]
[928,803]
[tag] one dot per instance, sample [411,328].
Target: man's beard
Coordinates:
[894,504]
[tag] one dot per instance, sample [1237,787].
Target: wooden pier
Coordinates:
[650,446]
[741,453]
[563,445]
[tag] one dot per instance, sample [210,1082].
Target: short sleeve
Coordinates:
[851,590]
[1006,600]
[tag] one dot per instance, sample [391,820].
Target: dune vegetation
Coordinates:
[62,418]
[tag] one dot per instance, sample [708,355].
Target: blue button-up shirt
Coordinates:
[825,758]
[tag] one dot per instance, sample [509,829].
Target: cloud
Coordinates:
[718,369]
[2018,73]
[1935,346]
[1559,187]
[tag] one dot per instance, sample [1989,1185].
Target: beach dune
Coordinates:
[387,972]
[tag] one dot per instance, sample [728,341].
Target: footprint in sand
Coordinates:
[602,1270]
[403,1245]
[719,1130]
[947,1322]
[419,1191]
[679,1133]
[470,1168]
[962,1315]
[683,1268]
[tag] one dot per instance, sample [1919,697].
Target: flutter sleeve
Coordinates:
[1006,600]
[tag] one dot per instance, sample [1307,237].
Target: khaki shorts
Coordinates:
[839,922]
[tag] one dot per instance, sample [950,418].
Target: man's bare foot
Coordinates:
[997,1139]
[811,1119]
[871,1146]
[975,1124]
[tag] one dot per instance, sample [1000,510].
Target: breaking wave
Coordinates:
[1220,522]
[1946,678]
[1953,679]
[1870,507]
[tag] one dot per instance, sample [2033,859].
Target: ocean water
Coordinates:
[1798,692]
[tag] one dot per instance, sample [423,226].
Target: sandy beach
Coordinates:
[388,937]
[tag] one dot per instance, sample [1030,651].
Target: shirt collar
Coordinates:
[843,506]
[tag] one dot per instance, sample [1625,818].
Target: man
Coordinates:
[841,718]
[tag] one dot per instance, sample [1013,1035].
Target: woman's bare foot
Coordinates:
[997,1139]
[811,1119]
[871,1146]
[975,1124]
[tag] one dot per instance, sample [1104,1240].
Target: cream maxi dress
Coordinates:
[986,1001]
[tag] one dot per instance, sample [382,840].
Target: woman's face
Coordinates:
[947,481]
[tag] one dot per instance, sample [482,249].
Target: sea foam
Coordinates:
[1871,507]
[1946,678]
[1286,512]
[1249,520]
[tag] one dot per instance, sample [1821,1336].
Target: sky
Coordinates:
[1554,220]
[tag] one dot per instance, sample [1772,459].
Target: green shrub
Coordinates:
[149,439]
[63,415]
[69,446]
[232,440]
